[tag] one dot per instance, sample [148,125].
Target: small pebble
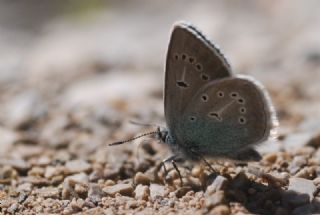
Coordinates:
[157,190]
[180,192]
[142,192]
[18,164]
[95,193]
[141,178]
[215,199]
[220,210]
[81,189]
[48,192]
[297,163]
[302,186]
[80,178]
[123,189]
[219,183]
[76,166]
[271,157]
[25,187]
[12,209]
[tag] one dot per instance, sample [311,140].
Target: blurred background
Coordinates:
[74,72]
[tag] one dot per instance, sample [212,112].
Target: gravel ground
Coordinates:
[69,86]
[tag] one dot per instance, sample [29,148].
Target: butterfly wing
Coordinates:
[192,61]
[226,116]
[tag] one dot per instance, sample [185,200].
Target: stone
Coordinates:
[69,185]
[305,209]
[44,161]
[22,197]
[281,211]
[36,171]
[220,210]
[219,183]
[8,138]
[296,140]
[81,190]
[197,171]
[123,189]
[12,209]
[271,157]
[302,186]
[76,166]
[141,178]
[48,192]
[95,176]
[95,193]
[52,171]
[296,164]
[215,199]
[18,164]
[38,181]
[294,199]
[23,108]
[80,178]
[142,192]
[314,141]
[77,205]
[180,192]
[156,190]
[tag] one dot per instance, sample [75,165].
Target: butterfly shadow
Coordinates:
[268,198]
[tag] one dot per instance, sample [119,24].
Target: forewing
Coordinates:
[192,61]
[226,116]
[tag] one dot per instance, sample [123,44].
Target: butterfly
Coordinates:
[209,111]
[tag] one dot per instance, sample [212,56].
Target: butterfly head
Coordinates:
[162,134]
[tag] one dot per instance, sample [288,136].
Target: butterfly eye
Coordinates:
[242,110]
[204,97]
[242,120]
[241,101]
[220,94]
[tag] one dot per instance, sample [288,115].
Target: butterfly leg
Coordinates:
[204,160]
[163,163]
[178,171]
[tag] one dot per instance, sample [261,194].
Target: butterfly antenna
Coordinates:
[134,138]
[145,124]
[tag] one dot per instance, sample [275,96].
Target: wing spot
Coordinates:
[233,94]
[199,67]
[182,84]
[204,97]
[242,110]
[176,56]
[215,115]
[242,120]
[241,101]
[191,60]
[184,56]
[220,94]
[204,77]
[192,118]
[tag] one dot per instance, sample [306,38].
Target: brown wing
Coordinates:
[192,61]
[227,115]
